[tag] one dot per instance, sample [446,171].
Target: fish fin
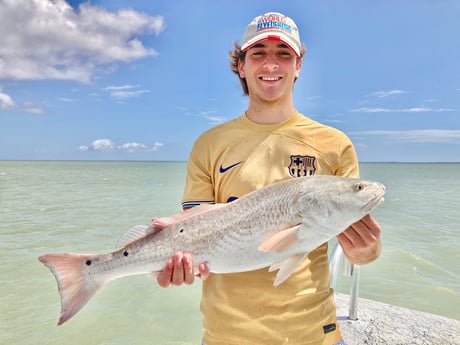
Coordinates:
[153,274]
[74,286]
[194,211]
[281,241]
[161,223]
[136,232]
[286,268]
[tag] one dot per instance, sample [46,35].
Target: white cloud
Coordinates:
[416,135]
[133,147]
[329,120]
[125,91]
[402,110]
[102,145]
[65,99]
[105,145]
[45,39]
[208,115]
[137,147]
[34,109]
[157,145]
[121,87]
[205,114]
[6,102]
[387,93]
[215,119]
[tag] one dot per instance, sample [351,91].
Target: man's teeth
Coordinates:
[270,78]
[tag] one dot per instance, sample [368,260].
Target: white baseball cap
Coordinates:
[275,26]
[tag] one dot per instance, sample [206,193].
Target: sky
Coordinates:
[141,80]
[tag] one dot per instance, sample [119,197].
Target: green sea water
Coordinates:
[85,206]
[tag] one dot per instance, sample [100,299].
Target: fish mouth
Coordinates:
[374,202]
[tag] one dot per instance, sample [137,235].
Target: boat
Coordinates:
[367,322]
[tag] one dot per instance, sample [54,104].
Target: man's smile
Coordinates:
[270,78]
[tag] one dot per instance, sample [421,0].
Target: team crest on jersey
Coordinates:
[302,166]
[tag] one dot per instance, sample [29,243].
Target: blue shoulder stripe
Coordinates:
[193,203]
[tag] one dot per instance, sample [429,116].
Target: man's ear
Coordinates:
[241,69]
[298,66]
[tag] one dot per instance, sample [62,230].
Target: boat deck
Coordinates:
[379,323]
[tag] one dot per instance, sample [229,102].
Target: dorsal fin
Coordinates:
[158,224]
[194,211]
[163,222]
[134,233]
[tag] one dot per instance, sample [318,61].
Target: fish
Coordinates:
[275,227]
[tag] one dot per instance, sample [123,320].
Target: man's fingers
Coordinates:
[164,278]
[364,232]
[188,277]
[204,271]
[372,225]
[179,270]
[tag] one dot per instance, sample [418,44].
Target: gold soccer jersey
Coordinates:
[232,160]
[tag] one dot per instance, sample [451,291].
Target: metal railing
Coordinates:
[349,270]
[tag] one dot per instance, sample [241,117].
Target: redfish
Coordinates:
[275,227]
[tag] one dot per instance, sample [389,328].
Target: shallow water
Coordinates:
[85,206]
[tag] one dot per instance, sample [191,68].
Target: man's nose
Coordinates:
[270,62]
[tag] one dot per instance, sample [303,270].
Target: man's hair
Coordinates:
[237,55]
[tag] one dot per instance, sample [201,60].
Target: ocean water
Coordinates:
[85,206]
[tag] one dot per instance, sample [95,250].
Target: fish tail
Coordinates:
[75,287]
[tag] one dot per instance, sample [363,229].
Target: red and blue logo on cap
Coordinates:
[273,21]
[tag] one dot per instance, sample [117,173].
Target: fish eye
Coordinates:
[359,187]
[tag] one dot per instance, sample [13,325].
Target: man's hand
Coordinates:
[179,270]
[361,241]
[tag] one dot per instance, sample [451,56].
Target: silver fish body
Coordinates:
[275,226]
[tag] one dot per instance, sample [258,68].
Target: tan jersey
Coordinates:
[232,160]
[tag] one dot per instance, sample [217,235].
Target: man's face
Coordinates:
[270,68]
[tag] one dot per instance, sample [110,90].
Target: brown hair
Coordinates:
[237,55]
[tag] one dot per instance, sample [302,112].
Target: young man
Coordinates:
[270,142]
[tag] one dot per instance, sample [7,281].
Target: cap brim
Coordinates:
[271,36]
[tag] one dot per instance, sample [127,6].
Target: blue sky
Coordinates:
[140,80]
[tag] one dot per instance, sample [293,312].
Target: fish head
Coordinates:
[337,202]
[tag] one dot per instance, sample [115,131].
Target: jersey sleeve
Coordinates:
[198,183]
[348,164]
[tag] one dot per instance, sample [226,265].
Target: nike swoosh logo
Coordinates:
[222,169]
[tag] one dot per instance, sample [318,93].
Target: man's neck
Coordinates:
[269,113]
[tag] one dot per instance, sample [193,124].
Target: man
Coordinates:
[270,142]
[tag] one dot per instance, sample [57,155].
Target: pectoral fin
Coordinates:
[286,268]
[281,241]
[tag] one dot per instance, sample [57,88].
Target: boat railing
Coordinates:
[350,270]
